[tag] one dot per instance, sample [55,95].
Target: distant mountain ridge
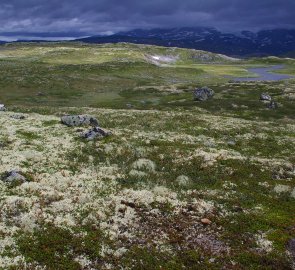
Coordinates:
[277,42]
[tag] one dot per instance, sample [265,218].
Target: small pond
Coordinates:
[265,74]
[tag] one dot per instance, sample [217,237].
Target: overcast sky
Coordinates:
[87,17]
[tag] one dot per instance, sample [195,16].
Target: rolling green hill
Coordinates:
[97,75]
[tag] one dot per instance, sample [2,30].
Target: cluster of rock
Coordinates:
[85,120]
[203,93]
[15,177]
[270,103]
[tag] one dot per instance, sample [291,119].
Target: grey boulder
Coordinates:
[93,133]
[13,177]
[272,105]
[79,120]
[265,97]
[231,142]
[2,108]
[18,116]
[203,93]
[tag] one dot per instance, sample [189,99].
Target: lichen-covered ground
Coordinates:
[135,200]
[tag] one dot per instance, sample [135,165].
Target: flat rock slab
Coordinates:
[79,120]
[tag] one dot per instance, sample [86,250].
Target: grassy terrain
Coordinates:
[136,199]
[83,75]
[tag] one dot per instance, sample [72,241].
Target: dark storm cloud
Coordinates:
[83,17]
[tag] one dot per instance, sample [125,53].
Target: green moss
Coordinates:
[50,123]
[28,135]
[256,261]
[57,248]
[153,259]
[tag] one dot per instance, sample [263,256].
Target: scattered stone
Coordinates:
[182,180]
[203,93]
[293,193]
[95,132]
[129,105]
[144,164]
[206,221]
[18,116]
[79,120]
[210,144]
[265,97]
[291,247]
[281,188]
[231,142]
[2,108]
[272,105]
[40,94]
[13,177]
[212,260]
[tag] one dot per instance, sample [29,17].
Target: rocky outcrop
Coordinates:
[85,120]
[203,93]
[79,120]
